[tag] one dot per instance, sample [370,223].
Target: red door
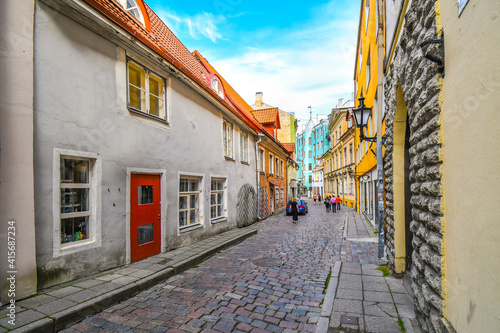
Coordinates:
[145,216]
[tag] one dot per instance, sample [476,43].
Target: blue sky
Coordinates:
[297,53]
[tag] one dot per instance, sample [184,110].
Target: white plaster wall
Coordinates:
[80,100]
[471,118]
[16,153]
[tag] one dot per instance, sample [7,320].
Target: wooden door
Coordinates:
[145,216]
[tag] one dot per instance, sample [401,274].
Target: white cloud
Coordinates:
[202,25]
[300,72]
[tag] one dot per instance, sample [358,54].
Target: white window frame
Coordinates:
[188,194]
[94,239]
[223,191]
[271,163]
[244,147]
[262,160]
[282,169]
[146,91]
[276,197]
[277,166]
[124,4]
[227,138]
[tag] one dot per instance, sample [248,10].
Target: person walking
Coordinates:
[314,200]
[333,201]
[319,199]
[295,210]
[338,203]
[327,204]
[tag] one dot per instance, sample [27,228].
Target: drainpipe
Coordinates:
[259,139]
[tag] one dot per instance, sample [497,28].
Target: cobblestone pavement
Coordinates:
[234,291]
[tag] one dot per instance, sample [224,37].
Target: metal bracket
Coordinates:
[439,60]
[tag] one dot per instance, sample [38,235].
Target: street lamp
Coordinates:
[361,115]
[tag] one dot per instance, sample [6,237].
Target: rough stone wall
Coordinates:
[420,83]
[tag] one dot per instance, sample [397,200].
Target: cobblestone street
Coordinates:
[235,291]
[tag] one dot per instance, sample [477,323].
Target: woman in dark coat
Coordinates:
[295,210]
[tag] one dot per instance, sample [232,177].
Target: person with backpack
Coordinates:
[333,202]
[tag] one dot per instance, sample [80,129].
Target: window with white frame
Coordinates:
[244,147]
[262,161]
[75,199]
[282,197]
[277,166]
[132,7]
[345,156]
[189,201]
[146,91]
[282,169]
[277,197]
[227,128]
[217,197]
[350,154]
[271,163]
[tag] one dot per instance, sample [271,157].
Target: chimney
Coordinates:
[258,98]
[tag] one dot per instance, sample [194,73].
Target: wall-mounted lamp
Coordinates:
[438,59]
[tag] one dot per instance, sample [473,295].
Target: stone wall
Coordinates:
[420,84]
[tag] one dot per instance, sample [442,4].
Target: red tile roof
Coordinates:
[290,147]
[266,116]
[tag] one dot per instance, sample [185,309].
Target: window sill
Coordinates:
[77,246]
[230,159]
[190,228]
[147,115]
[218,220]
[246,163]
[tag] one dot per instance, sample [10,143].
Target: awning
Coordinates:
[274,184]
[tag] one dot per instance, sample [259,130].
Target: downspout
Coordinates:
[257,172]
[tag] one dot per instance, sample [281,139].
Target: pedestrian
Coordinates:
[295,210]
[319,199]
[327,204]
[314,200]
[338,203]
[333,201]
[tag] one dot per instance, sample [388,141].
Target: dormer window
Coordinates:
[217,86]
[132,7]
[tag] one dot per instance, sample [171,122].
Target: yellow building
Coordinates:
[339,158]
[365,84]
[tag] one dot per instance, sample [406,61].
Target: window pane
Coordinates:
[136,97]
[74,229]
[220,198]
[183,218]
[193,185]
[145,194]
[136,75]
[193,201]
[74,171]
[220,185]
[213,185]
[183,185]
[193,216]
[74,200]
[213,212]
[213,199]
[145,233]
[219,210]
[183,203]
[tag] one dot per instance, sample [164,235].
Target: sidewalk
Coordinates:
[359,298]
[358,228]
[58,307]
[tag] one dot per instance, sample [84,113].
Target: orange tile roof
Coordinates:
[290,147]
[266,116]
